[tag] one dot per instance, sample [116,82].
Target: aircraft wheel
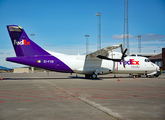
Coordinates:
[156,75]
[139,75]
[94,76]
[151,76]
[87,76]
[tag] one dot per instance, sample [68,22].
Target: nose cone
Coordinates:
[157,67]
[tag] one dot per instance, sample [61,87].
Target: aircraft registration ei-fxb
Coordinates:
[104,61]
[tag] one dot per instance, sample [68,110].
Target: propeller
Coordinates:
[116,60]
[123,54]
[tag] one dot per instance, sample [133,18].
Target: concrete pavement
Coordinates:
[59,96]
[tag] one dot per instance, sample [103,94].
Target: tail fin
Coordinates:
[23,46]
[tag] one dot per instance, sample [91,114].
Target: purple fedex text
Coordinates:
[130,62]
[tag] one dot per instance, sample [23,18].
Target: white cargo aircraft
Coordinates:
[103,61]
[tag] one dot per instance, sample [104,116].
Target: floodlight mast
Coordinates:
[32,68]
[139,43]
[126,31]
[99,31]
[32,36]
[87,44]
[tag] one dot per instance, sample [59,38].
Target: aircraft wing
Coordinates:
[102,52]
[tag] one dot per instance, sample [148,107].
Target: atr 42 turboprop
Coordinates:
[103,61]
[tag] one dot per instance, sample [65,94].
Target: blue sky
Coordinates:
[60,25]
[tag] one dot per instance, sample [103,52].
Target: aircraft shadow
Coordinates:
[69,77]
[74,77]
[33,78]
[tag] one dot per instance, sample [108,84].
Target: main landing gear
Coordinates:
[93,76]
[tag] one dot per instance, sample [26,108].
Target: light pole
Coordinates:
[32,68]
[99,31]
[139,42]
[87,43]
[32,36]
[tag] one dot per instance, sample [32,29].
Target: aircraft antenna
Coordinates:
[99,31]
[126,32]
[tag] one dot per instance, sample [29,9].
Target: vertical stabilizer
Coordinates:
[23,46]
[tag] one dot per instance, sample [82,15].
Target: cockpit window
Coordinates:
[147,60]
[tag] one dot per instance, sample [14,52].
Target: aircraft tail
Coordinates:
[23,46]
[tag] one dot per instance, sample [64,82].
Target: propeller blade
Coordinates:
[123,63]
[124,53]
[121,48]
[123,57]
[106,58]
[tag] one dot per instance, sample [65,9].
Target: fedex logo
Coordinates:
[23,42]
[130,62]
